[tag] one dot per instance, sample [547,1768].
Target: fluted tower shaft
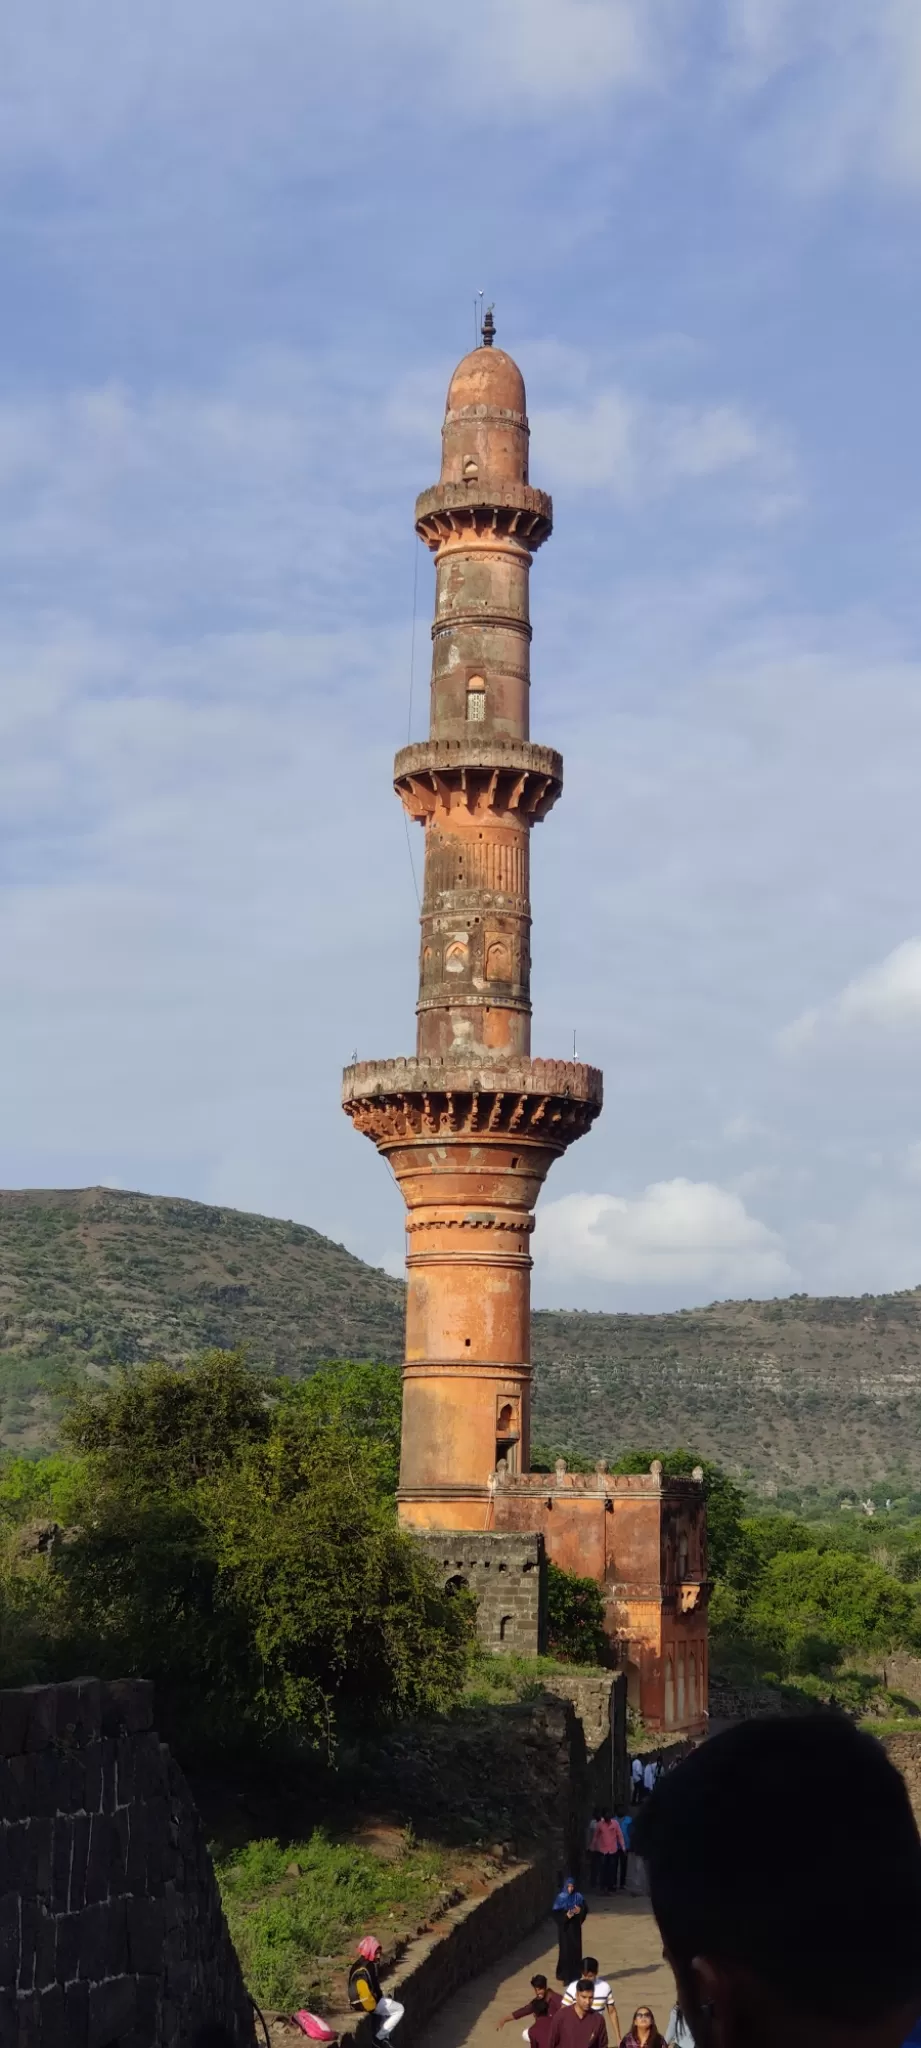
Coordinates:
[472,1125]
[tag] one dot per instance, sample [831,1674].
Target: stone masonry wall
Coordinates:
[111,1928]
[505,1573]
[905,1752]
[471,1937]
[599,1700]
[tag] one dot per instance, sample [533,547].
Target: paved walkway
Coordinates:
[623,1935]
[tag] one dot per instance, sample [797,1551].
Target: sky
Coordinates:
[241,246]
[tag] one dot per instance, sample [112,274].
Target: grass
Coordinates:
[296,1909]
[901,1724]
[502,1679]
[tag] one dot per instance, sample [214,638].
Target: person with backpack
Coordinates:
[365,1994]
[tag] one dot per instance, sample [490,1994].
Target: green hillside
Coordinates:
[799,1391]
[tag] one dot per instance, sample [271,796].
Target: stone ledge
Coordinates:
[568,1080]
[72,1715]
[471,1936]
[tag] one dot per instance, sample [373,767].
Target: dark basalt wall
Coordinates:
[111,1928]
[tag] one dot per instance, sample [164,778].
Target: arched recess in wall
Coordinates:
[457,1584]
[680,1701]
[669,1691]
[498,960]
[692,1684]
[504,1626]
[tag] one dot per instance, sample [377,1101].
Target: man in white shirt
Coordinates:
[602,1995]
[636,1773]
[650,1775]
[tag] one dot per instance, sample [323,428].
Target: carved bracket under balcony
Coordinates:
[490,775]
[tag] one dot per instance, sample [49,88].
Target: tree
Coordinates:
[243,1551]
[730,1553]
[813,1606]
[575,1618]
[160,1428]
[364,1399]
[771,1534]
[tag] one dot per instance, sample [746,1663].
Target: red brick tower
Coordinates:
[472,1124]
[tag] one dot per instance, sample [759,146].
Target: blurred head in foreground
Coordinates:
[785,1873]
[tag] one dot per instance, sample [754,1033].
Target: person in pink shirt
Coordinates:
[609,1844]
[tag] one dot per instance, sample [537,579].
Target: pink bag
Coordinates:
[315,2028]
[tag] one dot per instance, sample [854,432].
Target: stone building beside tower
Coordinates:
[472,1123]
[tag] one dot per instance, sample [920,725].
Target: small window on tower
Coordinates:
[476,699]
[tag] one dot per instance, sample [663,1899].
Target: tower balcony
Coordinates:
[508,776]
[474,511]
[404,1101]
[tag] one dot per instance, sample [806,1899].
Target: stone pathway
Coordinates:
[623,1935]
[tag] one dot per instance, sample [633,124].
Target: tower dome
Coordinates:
[488,377]
[485,434]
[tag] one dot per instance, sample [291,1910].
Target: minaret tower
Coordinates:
[472,1124]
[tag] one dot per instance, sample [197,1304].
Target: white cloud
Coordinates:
[637,448]
[677,1234]
[221,76]
[844,79]
[547,53]
[839,81]
[885,998]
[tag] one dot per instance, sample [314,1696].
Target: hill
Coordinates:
[92,1276]
[798,1392]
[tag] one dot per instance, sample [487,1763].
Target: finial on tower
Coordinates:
[488,329]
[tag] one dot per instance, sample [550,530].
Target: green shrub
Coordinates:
[243,1551]
[575,1618]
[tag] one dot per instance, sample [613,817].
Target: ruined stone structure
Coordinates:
[111,1927]
[644,1538]
[472,1124]
[507,1579]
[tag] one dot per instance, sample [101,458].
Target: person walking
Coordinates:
[569,1910]
[609,1844]
[636,1774]
[594,1856]
[625,1823]
[650,1774]
[602,1996]
[643,2030]
[365,1994]
[576,2025]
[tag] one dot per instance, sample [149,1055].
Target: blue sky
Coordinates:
[240,246]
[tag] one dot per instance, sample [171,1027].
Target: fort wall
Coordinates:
[111,1927]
